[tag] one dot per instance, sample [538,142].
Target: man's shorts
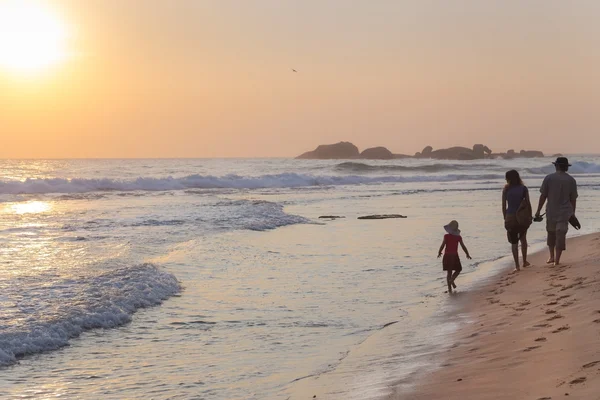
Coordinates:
[557,233]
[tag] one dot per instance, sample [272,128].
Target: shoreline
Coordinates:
[531,335]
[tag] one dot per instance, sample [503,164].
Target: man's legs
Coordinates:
[561,239]
[551,228]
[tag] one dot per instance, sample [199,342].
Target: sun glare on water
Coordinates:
[32,37]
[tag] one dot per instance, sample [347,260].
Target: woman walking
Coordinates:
[516,209]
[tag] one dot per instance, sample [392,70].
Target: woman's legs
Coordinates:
[449,281]
[515,252]
[524,249]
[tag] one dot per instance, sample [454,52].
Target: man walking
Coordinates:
[560,191]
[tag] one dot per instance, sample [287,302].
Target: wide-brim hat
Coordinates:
[452,228]
[562,161]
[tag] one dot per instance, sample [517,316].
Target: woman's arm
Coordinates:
[465,249]
[442,248]
[504,203]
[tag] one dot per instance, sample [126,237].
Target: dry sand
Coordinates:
[534,335]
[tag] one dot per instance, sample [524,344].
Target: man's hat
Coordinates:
[562,161]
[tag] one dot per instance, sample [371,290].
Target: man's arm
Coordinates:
[574,196]
[543,196]
[541,203]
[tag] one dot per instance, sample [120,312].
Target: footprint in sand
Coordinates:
[564,296]
[541,339]
[530,348]
[525,303]
[550,311]
[542,326]
[556,316]
[544,398]
[597,321]
[552,303]
[520,309]
[578,380]
[590,365]
[550,295]
[562,328]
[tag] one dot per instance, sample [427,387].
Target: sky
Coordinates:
[213,78]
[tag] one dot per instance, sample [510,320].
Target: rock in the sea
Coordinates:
[341,150]
[382,216]
[453,153]
[480,151]
[427,151]
[330,217]
[377,153]
[531,153]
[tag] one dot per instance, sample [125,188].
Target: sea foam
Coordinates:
[69,307]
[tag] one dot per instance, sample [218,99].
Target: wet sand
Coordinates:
[532,335]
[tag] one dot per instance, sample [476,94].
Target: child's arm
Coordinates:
[464,248]
[442,248]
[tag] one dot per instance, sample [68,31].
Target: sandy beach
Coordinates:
[532,335]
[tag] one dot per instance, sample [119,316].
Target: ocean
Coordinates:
[216,278]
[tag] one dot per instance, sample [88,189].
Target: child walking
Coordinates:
[451,260]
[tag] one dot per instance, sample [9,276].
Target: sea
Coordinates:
[217,278]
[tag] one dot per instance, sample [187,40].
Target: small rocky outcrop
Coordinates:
[481,151]
[531,154]
[377,153]
[453,153]
[341,150]
[382,216]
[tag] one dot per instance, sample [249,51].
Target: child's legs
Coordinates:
[449,279]
[455,275]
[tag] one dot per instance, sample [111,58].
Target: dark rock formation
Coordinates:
[531,153]
[453,153]
[341,150]
[481,151]
[377,153]
[383,216]
[330,217]
[346,150]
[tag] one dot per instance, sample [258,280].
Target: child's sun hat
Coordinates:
[452,228]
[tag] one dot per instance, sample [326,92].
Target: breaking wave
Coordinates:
[287,180]
[579,168]
[358,167]
[68,307]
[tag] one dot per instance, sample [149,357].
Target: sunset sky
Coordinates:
[213,78]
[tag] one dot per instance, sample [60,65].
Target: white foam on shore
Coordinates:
[67,307]
[287,180]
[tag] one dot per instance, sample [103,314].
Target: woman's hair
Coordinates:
[513,178]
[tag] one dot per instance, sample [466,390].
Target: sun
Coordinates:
[32,37]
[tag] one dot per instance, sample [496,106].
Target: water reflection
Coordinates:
[29,207]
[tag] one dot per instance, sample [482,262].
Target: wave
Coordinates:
[72,187]
[286,180]
[358,167]
[68,307]
[578,168]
